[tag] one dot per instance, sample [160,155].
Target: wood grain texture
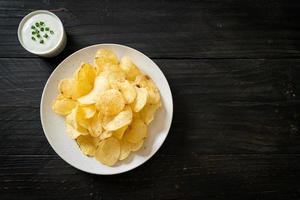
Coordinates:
[168,29]
[165,177]
[233,67]
[222,106]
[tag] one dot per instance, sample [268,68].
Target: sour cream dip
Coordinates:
[42,33]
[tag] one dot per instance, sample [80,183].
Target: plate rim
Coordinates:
[59,66]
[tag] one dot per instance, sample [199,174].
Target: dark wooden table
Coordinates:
[234,70]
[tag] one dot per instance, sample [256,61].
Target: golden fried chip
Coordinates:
[108,151]
[81,88]
[86,73]
[147,113]
[96,125]
[81,118]
[66,87]
[128,91]
[145,81]
[129,68]
[105,56]
[74,133]
[87,144]
[140,100]
[113,123]
[105,134]
[101,84]
[120,132]
[110,102]
[63,106]
[136,146]
[125,150]
[136,132]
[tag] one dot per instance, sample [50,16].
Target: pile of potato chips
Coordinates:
[108,107]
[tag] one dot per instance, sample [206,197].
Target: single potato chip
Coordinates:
[115,77]
[96,125]
[66,87]
[147,113]
[136,146]
[88,111]
[105,56]
[128,91]
[101,84]
[125,150]
[120,132]
[81,88]
[129,68]
[87,73]
[145,81]
[116,122]
[87,144]
[110,102]
[63,106]
[140,100]
[105,134]
[136,132]
[108,151]
[74,133]
[81,118]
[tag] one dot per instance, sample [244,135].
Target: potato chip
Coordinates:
[87,73]
[128,91]
[74,133]
[110,102]
[66,87]
[125,150]
[81,118]
[100,85]
[108,151]
[115,77]
[95,128]
[136,146]
[88,111]
[112,123]
[147,113]
[81,88]
[145,82]
[87,144]
[120,132]
[140,100]
[129,68]
[136,132]
[105,56]
[105,134]
[108,67]
[63,106]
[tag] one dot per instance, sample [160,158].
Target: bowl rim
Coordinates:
[151,154]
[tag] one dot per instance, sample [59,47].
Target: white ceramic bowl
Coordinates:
[59,46]
[67,148]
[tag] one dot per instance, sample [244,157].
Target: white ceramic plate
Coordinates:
[67,148]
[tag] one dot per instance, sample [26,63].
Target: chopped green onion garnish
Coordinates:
[33,32]
[47,29]
[38,35]
[33,38]
[42,41]
[37,24]
[32,27]
[42,29]
[51,32]
[45,36]
[41,23]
